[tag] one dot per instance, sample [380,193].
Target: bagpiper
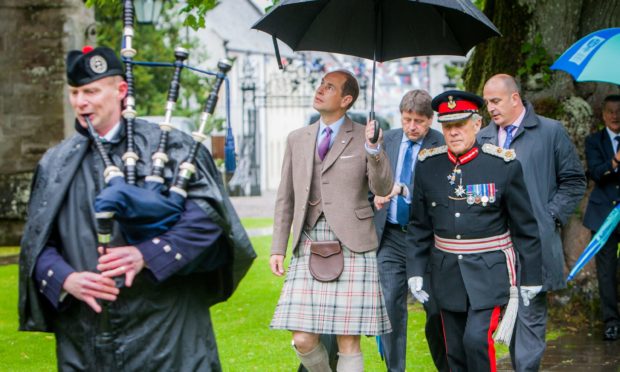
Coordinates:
[471,217]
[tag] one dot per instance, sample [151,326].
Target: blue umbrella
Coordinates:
[380,347]
[597,242]
[593,58]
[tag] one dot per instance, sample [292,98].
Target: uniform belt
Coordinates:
[500,242]
[396,226]
[471,246]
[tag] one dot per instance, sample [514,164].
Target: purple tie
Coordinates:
[324,145]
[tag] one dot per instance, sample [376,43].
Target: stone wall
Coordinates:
[34,112]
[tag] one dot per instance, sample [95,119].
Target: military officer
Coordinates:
[471,215]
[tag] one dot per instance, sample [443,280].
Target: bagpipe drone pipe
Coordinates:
[147,209]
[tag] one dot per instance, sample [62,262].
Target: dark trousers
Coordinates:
[606,273]
[392,260]
[469,339]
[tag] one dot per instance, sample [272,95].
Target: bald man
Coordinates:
[556,183]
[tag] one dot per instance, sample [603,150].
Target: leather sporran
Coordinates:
[326,260]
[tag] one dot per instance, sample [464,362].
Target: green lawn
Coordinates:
[255,223]
[241,324]
[8,251]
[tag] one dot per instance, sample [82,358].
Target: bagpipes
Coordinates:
[149,210]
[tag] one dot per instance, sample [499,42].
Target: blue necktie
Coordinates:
[617,138]
[402,208]
[509,130]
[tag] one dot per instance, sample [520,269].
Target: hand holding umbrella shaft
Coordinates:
[371,127]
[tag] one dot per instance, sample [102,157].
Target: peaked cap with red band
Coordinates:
[91,64]
[456,105]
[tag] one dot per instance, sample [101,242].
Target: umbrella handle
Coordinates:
[375,137]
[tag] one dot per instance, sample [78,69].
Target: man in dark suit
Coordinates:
[603,158]
[555,183]
[391,219]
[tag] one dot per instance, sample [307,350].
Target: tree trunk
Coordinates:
[534,34]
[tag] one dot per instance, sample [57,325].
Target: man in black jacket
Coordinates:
[159,317]
[603,158]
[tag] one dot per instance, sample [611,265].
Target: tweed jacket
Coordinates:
[348,173]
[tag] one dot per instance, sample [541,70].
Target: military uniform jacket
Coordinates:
[477,280]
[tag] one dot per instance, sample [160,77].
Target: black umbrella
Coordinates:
[380,30]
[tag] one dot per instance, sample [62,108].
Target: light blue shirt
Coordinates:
[612,137]
[335,127]
[404,143]
[112,133]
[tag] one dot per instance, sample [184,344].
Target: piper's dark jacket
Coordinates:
[476,280]
[155,325]
[606,193]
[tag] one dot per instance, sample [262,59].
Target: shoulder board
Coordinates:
[506,154]
[427,153]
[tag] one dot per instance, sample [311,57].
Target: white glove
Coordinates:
[415,285]
[528,292]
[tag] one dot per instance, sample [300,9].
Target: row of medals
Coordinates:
[474,194]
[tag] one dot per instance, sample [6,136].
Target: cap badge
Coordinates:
[98,64]
[451,103]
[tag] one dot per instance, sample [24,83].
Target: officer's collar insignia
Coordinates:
[451,103]
[465,158]
[506,154]
[427,153]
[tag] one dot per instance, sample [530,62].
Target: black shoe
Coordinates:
[611,333]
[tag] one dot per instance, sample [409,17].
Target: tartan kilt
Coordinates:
[351,305]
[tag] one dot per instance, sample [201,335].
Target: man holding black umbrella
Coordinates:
[327,171]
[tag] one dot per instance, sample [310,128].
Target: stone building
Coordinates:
[34,112]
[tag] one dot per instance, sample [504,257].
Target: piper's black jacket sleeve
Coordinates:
[191,241]
[193,237]
[50,273]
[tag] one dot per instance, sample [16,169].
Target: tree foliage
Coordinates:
[157,43]
[193,10]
